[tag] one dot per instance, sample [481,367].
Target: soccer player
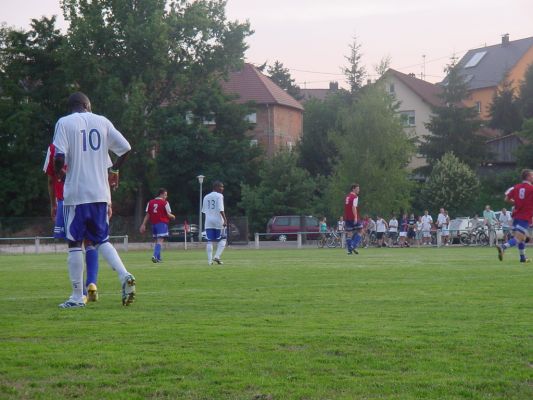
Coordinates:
[351,220]
[215,222]
[55,192]
[159,213]
[82,141]
[521,196]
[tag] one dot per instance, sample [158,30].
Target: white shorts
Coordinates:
[403,234]
[426,234]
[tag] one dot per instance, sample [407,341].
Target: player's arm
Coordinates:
[223,215]
[142,228]
[52,196]
[114,170]
[354,210]
[59,163]
[169,212]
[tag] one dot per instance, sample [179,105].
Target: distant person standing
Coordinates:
[427,222]
[490,221]
[393,230]
[340,224]
[83,141]
[351,219]
[506,221]
[521,196]
[404,227]
[159,213]
[381,229]
[215,222]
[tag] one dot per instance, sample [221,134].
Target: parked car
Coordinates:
[285,227]
[177,233]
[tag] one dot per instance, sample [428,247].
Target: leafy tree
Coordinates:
[525,98]
[452,184]
[355,72]
[505,110]
[525,152]
[282,77]
[146,60]
[283,189]
[453,126]
[33,96]
[373,150]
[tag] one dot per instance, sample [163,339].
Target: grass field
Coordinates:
[452,323]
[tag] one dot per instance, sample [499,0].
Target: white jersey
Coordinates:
[85,139]
[393,225]
[212,206]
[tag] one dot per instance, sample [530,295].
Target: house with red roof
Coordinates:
[278,118]
[416,98]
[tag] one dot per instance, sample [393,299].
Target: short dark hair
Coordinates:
[217,184]
[77,100]
[354,185]
[161,191]
[524,174]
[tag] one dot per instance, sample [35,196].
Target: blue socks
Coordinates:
[356,240]
[510,243]
[157,251]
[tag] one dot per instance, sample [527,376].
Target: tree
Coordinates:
[452,184]
[283,189]
[355,72]
[504,110]
[282,77]
[33,90]
[453,126]
[147,60]
[524,153]
[373,150]
[525,98]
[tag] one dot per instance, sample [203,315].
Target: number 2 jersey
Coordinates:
[85,139]
[522,196]
[212,206]
[158,210]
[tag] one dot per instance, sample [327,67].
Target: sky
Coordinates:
[312,37]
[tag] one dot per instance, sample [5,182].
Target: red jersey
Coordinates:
[158,209]
[48,169]
[522,196]
[350,201]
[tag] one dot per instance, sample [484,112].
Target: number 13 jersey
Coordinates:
[212,206]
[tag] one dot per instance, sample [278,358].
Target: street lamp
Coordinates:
[201,180]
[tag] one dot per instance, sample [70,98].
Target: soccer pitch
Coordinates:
[449,323]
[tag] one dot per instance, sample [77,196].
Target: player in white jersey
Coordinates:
[83,141]
[215,222]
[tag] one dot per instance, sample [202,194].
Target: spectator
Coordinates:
[340,224]
[427,222]
[404,227]
[381,228]
[370,231]
[411,229]
[505,221]
[490,221]
[445,229]
[393,230]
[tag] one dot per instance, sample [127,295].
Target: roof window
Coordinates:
[476,58]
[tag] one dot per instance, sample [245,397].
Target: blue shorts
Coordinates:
[214,235]
[521,225]
[352,226]
[160,230]
[87,221]
[59,228]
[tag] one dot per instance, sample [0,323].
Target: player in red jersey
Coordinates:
[55,193]
[351,219]
[159,213]
[521,196]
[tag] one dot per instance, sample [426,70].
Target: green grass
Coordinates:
[452,323]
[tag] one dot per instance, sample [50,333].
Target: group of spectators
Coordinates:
[410,230]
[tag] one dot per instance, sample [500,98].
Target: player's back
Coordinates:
[522,196]
[157,210]
[212,206]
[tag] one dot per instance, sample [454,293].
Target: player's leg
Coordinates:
[211,236]
[98,232]
[520,229]
[75,229]
[91,264]
[221,245]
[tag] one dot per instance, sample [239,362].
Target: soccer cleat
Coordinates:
[72,304]
[128,290]
[84,299]
[500,252]
[349,252]
[525,260]
[154,260]
[355,251]
[92,293]
[218,261]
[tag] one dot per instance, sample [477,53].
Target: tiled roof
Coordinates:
[251,85]
[494,64]
[429,92]
[319,94]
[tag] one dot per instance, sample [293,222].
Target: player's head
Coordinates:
[218,186]
[162,192]
[78,102]
[527,175]
[355,188]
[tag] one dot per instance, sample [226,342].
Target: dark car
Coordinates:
[285,227]
[177,233]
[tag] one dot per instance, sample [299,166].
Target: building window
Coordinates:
[251,118]
[478,107]
[408,118]
[254,143]
[392,89]
[475,59]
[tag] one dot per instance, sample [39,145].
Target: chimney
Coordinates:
[505,39]
[412,75]
[334,86]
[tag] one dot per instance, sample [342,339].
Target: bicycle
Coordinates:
[476,236]
[333,240]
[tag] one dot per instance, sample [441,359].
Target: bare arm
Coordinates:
[224,218]
[113,171]
[142,229]
[52,196]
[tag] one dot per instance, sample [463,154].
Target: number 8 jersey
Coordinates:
[521,195]
[85,139]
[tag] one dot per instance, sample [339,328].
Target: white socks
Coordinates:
[220,248]
[113,259]
[209,249]
[75,272]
